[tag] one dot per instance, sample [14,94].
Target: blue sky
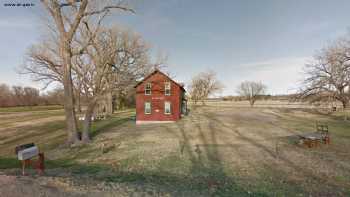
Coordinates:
[261,40]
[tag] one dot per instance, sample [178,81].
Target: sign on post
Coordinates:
[28,153]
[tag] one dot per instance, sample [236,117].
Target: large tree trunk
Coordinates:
[251,102]
[87,122]
[109,103]
[70,112]
[345,103]
[113,103]
[78,101]
[69,107]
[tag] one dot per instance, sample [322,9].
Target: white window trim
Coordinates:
[165,88]
[150,107]
[165,112]
[150,91]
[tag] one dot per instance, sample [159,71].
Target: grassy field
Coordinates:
[214,151]
[30,109]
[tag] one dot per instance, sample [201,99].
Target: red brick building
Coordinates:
[159,99]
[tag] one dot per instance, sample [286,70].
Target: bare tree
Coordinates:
[131,64]
[31,96]
[5,96]
[109,65]
[18,95]
[328,76]
[112,62]
[67,17]
[28,96]
[251,90]
[55,96]
[204,85]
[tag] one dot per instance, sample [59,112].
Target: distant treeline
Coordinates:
[286,97]
[12,96]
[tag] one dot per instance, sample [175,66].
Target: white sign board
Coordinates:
[28,153]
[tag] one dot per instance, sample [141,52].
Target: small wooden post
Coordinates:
[40,165]
[25,163]
[327,140]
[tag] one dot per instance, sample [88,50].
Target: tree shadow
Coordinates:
[207,175]
[138,183]
[283,159]
[206,162]
[104,126]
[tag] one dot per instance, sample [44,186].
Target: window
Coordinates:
[148,108]
[167,107]
[148,89]
[167,88]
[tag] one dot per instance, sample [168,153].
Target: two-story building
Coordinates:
[159,99]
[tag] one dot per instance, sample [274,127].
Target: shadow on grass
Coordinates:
[207,175]
[102,126]
[31,108]
[14,163]
[207,170]
[314,178]
[39,131]
[214,184]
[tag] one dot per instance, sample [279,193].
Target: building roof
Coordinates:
[160,72]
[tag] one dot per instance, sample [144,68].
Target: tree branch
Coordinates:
[107,8]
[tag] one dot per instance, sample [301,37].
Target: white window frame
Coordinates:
[150,88]
[167,86]
[165,107]
[150,107]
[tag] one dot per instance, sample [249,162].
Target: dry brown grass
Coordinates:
[251,145]
[228,150]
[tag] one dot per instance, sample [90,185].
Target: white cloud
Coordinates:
[281,75]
